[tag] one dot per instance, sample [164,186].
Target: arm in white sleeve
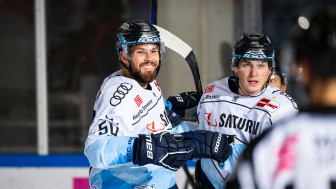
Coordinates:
[110,150]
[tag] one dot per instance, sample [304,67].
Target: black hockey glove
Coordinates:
[173,117]
[185,105]
[208,144]
[162,149]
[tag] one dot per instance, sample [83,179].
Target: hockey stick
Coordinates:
[177,45]
[154,12]
[180,47]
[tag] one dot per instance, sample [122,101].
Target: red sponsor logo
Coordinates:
[273,106]
[209,89]
[264,103]
[157,85]
[208,120]
[138,100]
[152,127]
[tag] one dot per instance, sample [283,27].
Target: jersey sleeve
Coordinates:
[289,108]
[108,151]
[109,140]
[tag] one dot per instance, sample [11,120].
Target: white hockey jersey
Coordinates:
[244,117]
[296,153]
[123,109]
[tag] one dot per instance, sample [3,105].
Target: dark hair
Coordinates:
[280,73]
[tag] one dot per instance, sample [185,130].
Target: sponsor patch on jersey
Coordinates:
[120,93]
[209,89]
[138,100]
[212,97]
[269,105]
[157,85]
[143,110]
[208,119]
[154,128]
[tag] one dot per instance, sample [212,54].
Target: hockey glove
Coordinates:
[208,144]
[161,149]
[173,117]
[185,104]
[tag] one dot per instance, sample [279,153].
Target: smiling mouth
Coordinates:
[148,67]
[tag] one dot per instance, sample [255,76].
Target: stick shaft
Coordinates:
[177,45]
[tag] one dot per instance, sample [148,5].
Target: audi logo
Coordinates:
[120,94]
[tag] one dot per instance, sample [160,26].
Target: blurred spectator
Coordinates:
[278,78]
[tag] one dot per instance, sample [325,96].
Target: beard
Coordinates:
[141,77]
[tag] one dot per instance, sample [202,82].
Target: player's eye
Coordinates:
[261,66]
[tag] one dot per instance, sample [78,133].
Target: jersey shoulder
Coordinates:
[117,90]
[279,104]
[280,97]
[217,86]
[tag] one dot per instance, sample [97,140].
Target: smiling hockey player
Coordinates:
[130,144]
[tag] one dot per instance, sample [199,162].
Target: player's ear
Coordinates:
[123,57]
[284,87]
[235,71]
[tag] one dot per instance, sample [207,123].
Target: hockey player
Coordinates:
[242,105]
[130,144]
[300,152]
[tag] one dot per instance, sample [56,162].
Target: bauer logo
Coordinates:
[219,138]
[209,89]
[269,105]
[149,146]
